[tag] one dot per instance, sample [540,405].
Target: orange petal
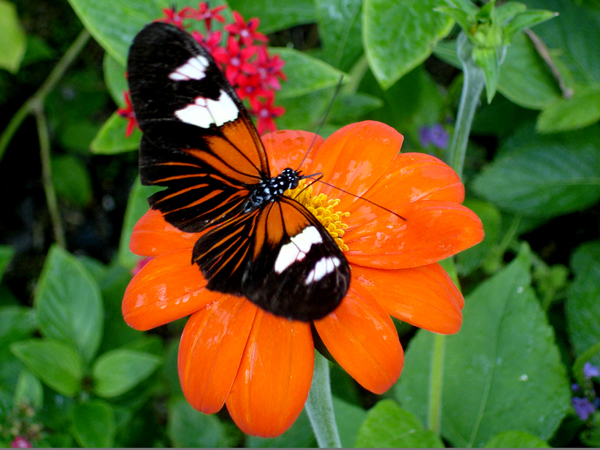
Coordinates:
[152,236]
[169,287]
[425,296]
[211,349]
[432,231]
[354,157]
[362,338]
[287,148]
[274,377]
[411,177]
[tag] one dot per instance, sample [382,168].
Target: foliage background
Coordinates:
[72,373]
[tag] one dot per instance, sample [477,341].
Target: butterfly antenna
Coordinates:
[335,94]
[354,195]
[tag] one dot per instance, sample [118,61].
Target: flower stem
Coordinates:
[319,406]
[436,382]
[473,83]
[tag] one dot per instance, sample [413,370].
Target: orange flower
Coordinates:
[261,365]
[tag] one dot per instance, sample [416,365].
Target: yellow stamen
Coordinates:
[323,209]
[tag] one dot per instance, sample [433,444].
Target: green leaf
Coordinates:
[117,371]
[94,424]
[582,306]
[305,73]
[29,391]
[544,176]
[72,180]
[137,205]
[12,38]
[299,435]
[275,15]
[58,365]
[349,108]
[16,323]
[501,372]
[114,23]
[115,79]
[579,111]
[208,431]
[6,255]
[487,59]
[111,138]
[398,36]
[68,303]
[348,418]
[340,31]
[572,39]
[304,112]
[526,19]
[470,259]
[516,439]
[389,426]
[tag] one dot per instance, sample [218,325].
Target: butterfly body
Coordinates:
[199,142]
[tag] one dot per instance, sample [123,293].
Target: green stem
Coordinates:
[319,406]
[473,83]
[40,96]
[436,382]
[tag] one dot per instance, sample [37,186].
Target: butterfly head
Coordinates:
[271,189]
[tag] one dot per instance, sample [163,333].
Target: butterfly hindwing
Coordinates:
[279,257]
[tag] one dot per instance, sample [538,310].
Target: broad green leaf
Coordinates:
[579,111]
[340,31]
[208,431]
[6,255]
[305,73]
[544,176]
[348,108]
[516,439]
[16,323]
[571,39]
[29,391]
[57,364]
[348,418]
[111,138]
[118,371]
[115,79]
[389,426]
[582,307]
[94,424]
[275,15]
[305,112]
[137,206]
[114,23]
[398,36]
[501,372]
[470,259]
[68,303]
[12,38]
[526,19]
[72,180]
[299,435]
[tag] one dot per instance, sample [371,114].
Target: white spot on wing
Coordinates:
[205,112]
[297,249]
[323,267]
[193,69]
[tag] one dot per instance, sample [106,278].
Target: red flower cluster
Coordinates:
[254,74]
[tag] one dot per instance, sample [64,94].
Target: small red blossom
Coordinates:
[266,111]
[205,13]
[250,86]
[269,68]
[235,59]
[127,113]
[173,17]
[209,41]
[246,30]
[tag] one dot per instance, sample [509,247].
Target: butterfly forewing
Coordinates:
[199,142]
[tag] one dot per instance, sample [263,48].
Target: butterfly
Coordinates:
[201,145]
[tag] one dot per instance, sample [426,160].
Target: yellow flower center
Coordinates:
[323,209]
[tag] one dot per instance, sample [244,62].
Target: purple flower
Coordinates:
[20,442]
[590,371]
[583,407]
[435,134]
[575,387]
